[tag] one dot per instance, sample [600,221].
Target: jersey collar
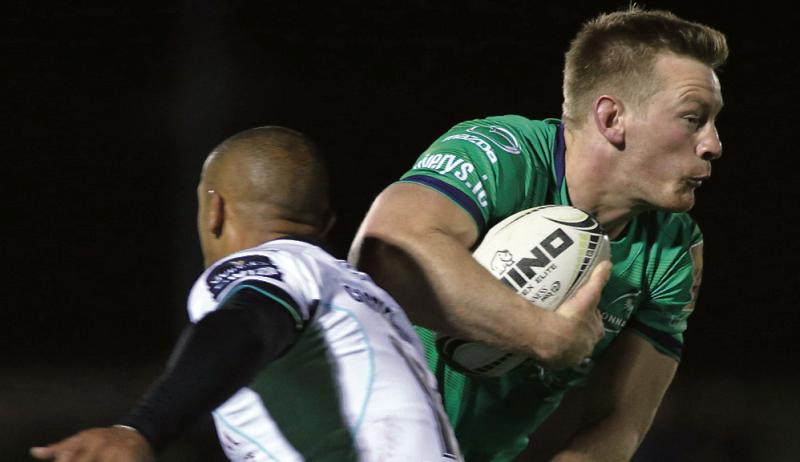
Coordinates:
[315,241]
[559,157]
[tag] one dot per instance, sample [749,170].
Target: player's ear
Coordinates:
[607,113]
[216,213]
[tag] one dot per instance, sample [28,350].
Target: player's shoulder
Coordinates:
[270,261]
[672,228]
[500,139]
[255,263]
[524,123]
[500,127]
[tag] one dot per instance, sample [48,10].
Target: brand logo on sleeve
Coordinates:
[477,141]
[498,136]
[225,273]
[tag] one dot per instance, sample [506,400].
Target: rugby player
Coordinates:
[298,355]
[636,140]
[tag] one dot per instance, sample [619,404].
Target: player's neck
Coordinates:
[253,235]
[238,236]
[591,177]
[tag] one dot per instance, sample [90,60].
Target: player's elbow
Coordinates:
[392,264]
[379,244]
[373,238]
[372,252]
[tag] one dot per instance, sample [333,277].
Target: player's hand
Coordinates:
[578,325]
[111,444]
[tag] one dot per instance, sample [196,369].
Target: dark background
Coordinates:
[111,107]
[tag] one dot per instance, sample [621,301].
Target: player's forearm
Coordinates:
[607,441]
[625,393]
[216,357]
[439,284]
[414,242]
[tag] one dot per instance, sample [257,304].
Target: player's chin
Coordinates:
[681,201]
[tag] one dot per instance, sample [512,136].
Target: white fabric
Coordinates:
[391,416]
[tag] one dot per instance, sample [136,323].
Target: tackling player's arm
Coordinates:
[626,389]
[414,242]
[214,359]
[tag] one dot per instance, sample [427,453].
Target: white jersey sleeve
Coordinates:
[353,387]
[273,273]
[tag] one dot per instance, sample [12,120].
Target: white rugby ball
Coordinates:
[544,254]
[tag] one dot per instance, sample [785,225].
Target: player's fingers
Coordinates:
[72,449]
[601,274]
[600,331]
[591,290]
[55,451]
[84,452]
[65,456]
[83,455]
[42,452]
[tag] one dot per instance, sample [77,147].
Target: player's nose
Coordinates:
[710,146]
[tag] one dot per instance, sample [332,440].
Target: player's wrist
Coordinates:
[555,346]
[145,428]
[136,440]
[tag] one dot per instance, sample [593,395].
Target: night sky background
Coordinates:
[109,109]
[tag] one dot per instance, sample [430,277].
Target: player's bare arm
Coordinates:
[414,242]
[202,373]
[112,444]
[625,392]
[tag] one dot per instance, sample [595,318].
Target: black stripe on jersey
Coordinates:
[559,150]
[453,193]
[254,293]
[662,339]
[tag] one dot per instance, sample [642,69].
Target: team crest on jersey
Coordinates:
[616,313]
[238,268]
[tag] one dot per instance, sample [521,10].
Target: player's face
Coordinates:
[672,139]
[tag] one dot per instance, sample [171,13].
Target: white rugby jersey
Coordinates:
[353,387]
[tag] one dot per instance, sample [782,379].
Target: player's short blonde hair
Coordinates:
[615,54]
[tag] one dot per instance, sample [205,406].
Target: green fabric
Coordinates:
[301,394]
[502,165]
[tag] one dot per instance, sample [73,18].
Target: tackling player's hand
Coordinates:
[111,444]
[577,324]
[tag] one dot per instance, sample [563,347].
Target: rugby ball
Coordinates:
[544,254]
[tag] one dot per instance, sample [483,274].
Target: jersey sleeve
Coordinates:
[662,319]
[213,359]
[490,167]
[277,276]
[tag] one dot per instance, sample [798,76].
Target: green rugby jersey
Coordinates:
[498,166]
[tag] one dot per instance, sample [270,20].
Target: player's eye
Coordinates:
[695,121]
